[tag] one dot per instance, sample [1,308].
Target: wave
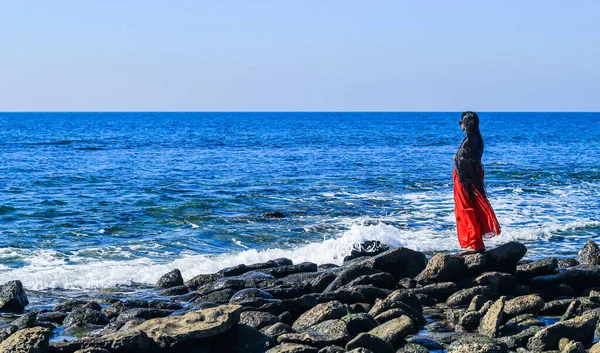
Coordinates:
[48,269]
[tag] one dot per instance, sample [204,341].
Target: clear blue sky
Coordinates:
[124,55]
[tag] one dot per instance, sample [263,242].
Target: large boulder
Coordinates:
[29,340]
[439,291]
[367,248]
[12,297]
[505,257]
[195,325]
[399,262]
[258,319]
[371,343]
[491,321]
[579,329]
[292,348]
[85,316]
[329,332]
[320,313]
[395,330]
[526,304]
[283,271]
[170,279]
[537,268]
[359,323]
[443,268]
[577,277]
[464,296]
[590,255]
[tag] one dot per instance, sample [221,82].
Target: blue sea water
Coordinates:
[95,200]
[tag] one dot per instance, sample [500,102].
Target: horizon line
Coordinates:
[293,111]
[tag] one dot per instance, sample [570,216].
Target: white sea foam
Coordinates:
[48,269]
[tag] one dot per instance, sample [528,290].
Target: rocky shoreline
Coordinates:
[380,300]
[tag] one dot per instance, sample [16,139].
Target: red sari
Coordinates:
[475,219]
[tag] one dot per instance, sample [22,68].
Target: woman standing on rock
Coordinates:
[475,218]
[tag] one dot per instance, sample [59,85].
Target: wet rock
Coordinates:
[412,348]
[52,316]
[491,321]
[359,323]
[92,350]
[360,307]
[370,342]
[12,297]
[439,291]
[286,291]
[277,330]
[520,323]
[29,340]
[464,296]
[577,277]
[241,339]
[505,257]
[400,296]
[555,307]
[475,262]
[590,255]
[379,280]
[361,293]
[470,320]
[523,305]
[566,345]
[399,262]
[69,305]
[221,296]
[395,330]
[170,279]
[141,313]
[177,290]
[396,305]
[249,296]
[258,319]
[407,283]
[320,313]
[295,306]
[537,268]
[347,275]
[323,267]
[474,345]
[85,316]
[283,271]
[427,343]
[293,348]
[254,279]
[572,310]
[275,214]
[519,339]
[567,262]
[26,320]
[476,303]
[202,280]
[330,332]
[366,248]
[579,329]
[332,349]
[443,268]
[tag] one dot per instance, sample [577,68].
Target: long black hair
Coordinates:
[468,157]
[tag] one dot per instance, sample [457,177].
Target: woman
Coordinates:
[475,218]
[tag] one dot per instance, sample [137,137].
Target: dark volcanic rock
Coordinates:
[26,320]
[503,281]
[359,323]
[251,297]
[242,339]
[519,339]
[399,262]
[464,296]
[475,262]
[527,304]
[142,313]
[277,330]
[505,257]
[274,214]
[555,307]
[590,255]
[258,319]
[567,262]
[537,268]
[52,316]
[293,348]
[470,320]
[221,296]
[349,274]
[366,248]
[474,344]
[571,311]
[379,280]
[252,279]
[370,342]
[320,313]
[395,330]
[177,290]
[356,294]
[241,269]
[439,291]
[170,279]
[12,297]
[579,329]
[202,279]
[69,305]
[443,268]
[85,316]
[577,277]
[282,271]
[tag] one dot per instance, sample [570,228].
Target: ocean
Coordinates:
[100,200]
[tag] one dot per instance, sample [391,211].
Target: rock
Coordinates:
[520,339]
[332,349]
[470,320]
[370,342]
[202,280]
[52,316]
[398,296]
[357,294]
[26,320]
[523,305]
[253,279]
[29,340]
[359,323]
[521,323]
[439,291]
[505,257]
[177,290]
[296,306]
[595,348]
[474,345]
[142,313]
[577,277]
[476,303]
[241,269]
[221,296]
[571,311]
[412,348]
[567,262]
[283,271]
[275,214]
[568,346]
[366,248]
[277,330]
[170,279]
[396,305]
[443,268]
[347,275]
[475,262]
[320,313]
[555,307]
[399,262]
[85,316]
[12,297]
[330,332]
[490,323]
[537,268]
[503,281]
[92,350]
[69,305]
[240,339]
[249,296]
[379,280]
[395,330]
[590,255]
[464,296]
[579,329]
[292,348]
[6,331]
[258,319]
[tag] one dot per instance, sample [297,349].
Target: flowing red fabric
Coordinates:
[475,219]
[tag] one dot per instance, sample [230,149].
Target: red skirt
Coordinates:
[475,219]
